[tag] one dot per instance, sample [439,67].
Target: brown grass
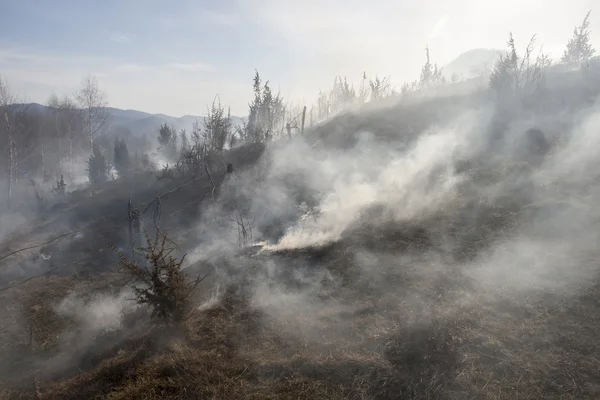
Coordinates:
[396,332]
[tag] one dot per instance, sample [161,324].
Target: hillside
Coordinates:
[472,63]
[437,246]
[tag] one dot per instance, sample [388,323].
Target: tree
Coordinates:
[217,127]
[323,106]
[93,104]
[431,75]
[519,76]
[165,288]
[342,94]
[364,91]
[61,187]
[71,123]
[579,49]
[167,141]
[266,112]
[98,169]
[122,160]
[380,88]
[66,118]
[7,99]
[184,141]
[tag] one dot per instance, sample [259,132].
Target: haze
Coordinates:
[299,200]
[172,58]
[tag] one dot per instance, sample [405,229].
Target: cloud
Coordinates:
[119,37]
[164,87]
[192,67]
[129,67]
[169,67]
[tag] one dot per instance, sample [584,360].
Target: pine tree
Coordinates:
[98,168]
[184,141]
[167,141]
[121,157]
[579,49]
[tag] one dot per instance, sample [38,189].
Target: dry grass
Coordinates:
[398,330]
[380,346]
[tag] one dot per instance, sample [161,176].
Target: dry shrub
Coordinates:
[165,289]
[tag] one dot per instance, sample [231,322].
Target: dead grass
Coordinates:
[374,347]
[393,332]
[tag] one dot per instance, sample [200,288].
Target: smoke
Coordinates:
[464,170]
[408,182]
[555,247]
[101,312]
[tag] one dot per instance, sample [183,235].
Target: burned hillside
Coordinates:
[439,243]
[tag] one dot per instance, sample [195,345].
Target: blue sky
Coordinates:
[174,57]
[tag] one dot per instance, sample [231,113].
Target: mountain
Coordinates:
[472,63]
[142,124]
[138,123]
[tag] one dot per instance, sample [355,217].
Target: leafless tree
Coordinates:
[380,88]
[519,76]
[93,103]
[67,123]
[7,98]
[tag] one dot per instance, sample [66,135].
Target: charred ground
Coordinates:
[388,310]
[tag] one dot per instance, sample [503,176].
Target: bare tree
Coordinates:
[93,103]
[519,76]
[7,98]
[431,75]
[68,121]
[380,88]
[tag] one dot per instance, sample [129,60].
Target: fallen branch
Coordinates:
[39,244]
[27,280]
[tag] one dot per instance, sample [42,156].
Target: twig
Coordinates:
[488,381]
[171,191]
[26,280]
[211,181]
[40,244]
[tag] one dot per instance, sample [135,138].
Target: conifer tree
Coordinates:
[579,49]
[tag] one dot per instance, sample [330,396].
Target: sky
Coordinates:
[175,57]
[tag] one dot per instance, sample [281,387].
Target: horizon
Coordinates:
[174,59]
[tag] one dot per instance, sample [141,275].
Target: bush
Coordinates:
[165,289]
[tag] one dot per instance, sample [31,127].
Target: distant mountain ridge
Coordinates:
[138,123]
[472,63]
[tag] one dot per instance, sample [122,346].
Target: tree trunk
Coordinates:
[70,158]
[10,156]
[16,162]
[10,168]
[303,120]
[43,163]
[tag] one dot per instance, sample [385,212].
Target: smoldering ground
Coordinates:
[448,261]
[506,228]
